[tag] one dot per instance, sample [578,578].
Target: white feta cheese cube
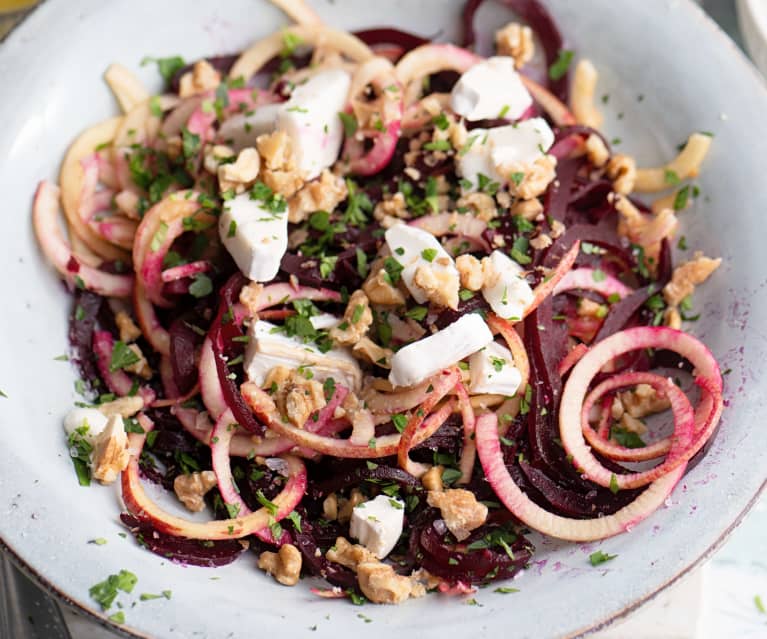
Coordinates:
[492,370]
[241,130]
[522,143]
[268,346]
[426,357]
[490,89]
[412,248]
[505,288]
[255,237]
[94,420]
[310,118]
[377,524]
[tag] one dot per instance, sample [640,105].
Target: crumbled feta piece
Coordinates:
[255,237]
[492,370]
[505,288]
[418,251]
[491,89]
[488,151]
[242,129]
[377,524]
[426,357]
[311,120]
[93,419]
[269,347]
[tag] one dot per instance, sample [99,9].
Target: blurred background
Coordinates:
[725,599]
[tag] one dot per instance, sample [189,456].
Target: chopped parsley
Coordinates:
[362,263]
[349,122]
[519,250]
[270,506]
[450,476]
[329,388]
[328,265]
[626,438]
[760,604]
[201,286]
[597,558]
[614,487]
[682,243]
[517,177]
[105,592]
[671,177]
[438,145]
[418,313]
[465,294]
[80,450]
[499,537]
[561,65]
[400,421]
[295,519]
[358,204]
[393,270]
[441,122]
[122,357]
[598,275]
[498,363]
[681,198]
[168,67]
[429,254]
[505,590]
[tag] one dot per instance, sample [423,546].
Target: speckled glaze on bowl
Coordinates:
[668,71]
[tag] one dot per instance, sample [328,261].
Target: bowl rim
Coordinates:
[82,608]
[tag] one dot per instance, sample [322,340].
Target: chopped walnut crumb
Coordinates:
[596,151]
[516,41]
[535,177]
[373,353]
[557,229]
[379,290]
[432,479]
[141,367]
[347,554]
[215,156]
[284,565]
[391,207]
[590,308]
[482,204]
[470,271]
[632,424]
[203,77]
[381,584]
[191,488]
[127,328]
[541,242]
[643,400]
[323,194]
[249,297]
[110,452]
[440,287]
[241,173]
[347,505]
[460,510]
[123,406]
[528,209]
[296,397]
[672,318]
[357,320]
[687,276]
[279,173]
[622,170]
[330,507]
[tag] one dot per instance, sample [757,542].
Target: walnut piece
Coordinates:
[348,554]
[482,204]
[643,400]
[540,242]
[296,397]
[241,173]
[284,565]
[379,290]
[432,479]
[439,286]
[687,276]
[460,510]
[528,209]
[632,424]
[141,367]
[391,208]
[323,194]
[382,585]
[110,452]
[672,318]
[123,406]
[347,506]
[191,488]
[622,170]
[203,77]
[279,172]
[516,41]
[330,507]
[249,297]
[215,156]
[357,320]
[530,180]
[470,271]
[367,349]
[129,332]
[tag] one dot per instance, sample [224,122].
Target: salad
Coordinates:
[380,306]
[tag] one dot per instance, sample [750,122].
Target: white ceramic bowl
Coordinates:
[752,19]
[691,78]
